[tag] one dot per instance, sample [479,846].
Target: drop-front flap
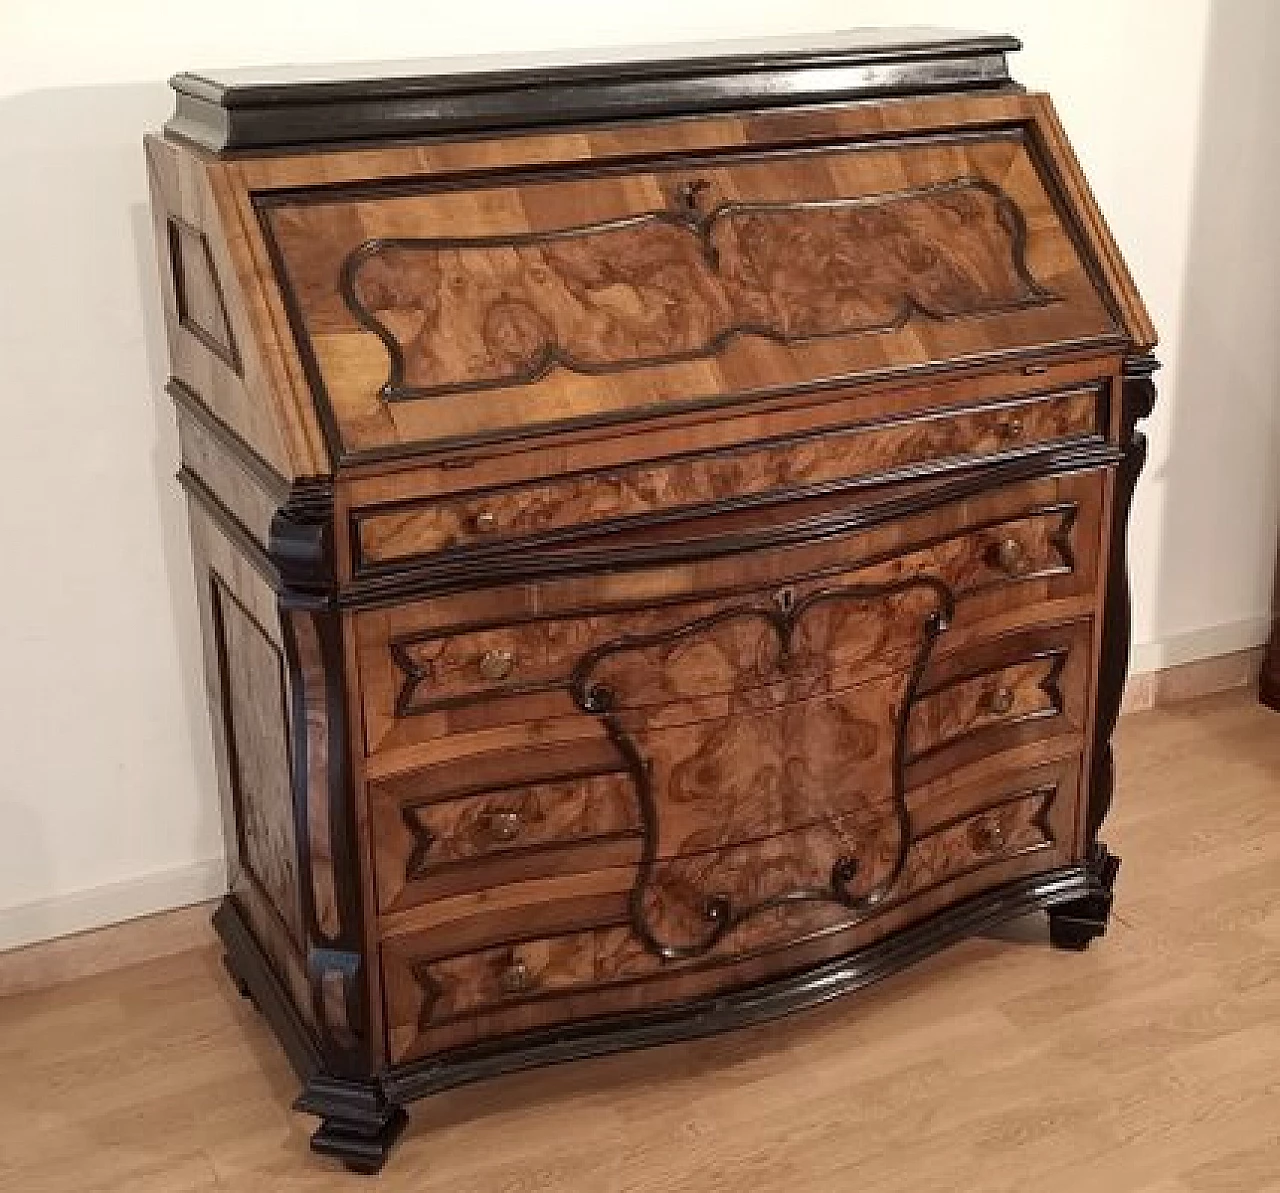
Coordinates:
[520,301]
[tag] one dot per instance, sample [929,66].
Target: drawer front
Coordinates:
[1002,555]
[435,312]
[836,459]
[1020,687]
[777,897]
[427,847]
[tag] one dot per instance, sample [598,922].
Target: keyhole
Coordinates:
[785,599]
[687,193]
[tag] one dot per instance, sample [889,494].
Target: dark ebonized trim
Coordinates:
[189,405]
[225,115]
[1137,398]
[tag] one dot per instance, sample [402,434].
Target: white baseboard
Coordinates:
[1209,643]
[80,911]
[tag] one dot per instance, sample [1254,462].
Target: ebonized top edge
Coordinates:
[256,109]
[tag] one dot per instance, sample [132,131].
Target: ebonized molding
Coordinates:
[1137,400]
[239,111]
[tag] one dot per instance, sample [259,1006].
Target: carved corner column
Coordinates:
[1074,924]
[359,1124]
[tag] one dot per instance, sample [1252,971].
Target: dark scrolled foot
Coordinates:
[361,1146]
[242,987]
[1073,925]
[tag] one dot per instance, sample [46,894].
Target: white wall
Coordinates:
[107,797]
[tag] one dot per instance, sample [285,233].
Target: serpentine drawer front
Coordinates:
[660,548]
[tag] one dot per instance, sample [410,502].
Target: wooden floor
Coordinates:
[1150,1064]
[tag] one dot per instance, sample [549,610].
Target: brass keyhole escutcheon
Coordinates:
[1010,429]
[785,599]
[484,521]
[496,664]
[688,194]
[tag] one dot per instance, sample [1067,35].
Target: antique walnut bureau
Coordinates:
[660,538]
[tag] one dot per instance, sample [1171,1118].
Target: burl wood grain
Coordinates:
[676,284]
[1018,692]
[420,845]
[781,469]
[427,994]
[257,723]
[245,682]
[528,303]
[419,686]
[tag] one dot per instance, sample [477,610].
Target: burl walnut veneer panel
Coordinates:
[660,538]
[460,313]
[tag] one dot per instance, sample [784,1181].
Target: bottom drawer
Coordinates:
[782,914]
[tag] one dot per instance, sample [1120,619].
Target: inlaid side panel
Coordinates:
[247,690]
[216,346]
[256,719]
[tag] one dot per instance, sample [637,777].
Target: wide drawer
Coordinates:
[500,970]
[866,455]
[436,310]
[1013,556]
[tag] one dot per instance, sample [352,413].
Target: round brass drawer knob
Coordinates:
[484,521]
[496,664]
[1011,557]
[987,836]
[516,977]
[999,701]
[504,826]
